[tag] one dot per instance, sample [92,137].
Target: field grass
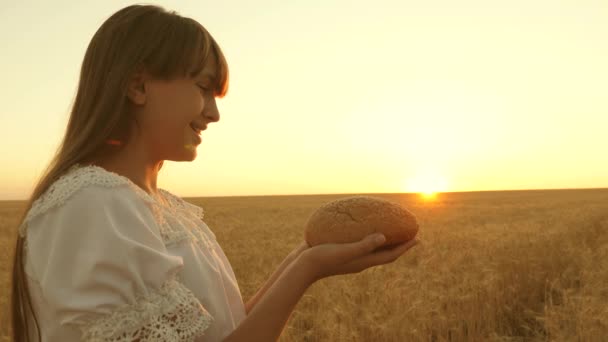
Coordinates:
[491,266]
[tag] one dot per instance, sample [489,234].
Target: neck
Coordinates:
[134,162]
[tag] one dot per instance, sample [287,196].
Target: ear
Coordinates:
[136,90]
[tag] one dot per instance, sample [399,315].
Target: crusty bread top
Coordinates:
[352,218]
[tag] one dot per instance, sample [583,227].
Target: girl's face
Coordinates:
[169,111]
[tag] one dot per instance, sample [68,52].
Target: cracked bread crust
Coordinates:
[350,219]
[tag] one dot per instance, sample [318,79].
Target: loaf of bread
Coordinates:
[351,219]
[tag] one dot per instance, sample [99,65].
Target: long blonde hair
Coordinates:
[163,43]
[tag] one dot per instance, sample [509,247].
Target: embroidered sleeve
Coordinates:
[170,314]
[103,268]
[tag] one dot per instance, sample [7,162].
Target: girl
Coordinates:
[102,253]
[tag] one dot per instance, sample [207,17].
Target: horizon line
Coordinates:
[401,193]
[375,193]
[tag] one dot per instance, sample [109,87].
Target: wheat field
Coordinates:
[491,266]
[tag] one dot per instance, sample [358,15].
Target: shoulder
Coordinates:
[189,214]
[181,206]
[86,188]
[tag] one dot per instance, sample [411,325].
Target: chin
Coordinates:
[186,155]
[189,157]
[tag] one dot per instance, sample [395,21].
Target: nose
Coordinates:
[211,112]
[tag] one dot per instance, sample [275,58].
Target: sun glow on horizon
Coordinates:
[428,185]
[428,195]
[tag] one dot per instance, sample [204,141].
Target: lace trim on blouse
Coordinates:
[170,314]
[79,176]
[187,215]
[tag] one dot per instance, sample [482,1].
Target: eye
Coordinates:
[203,88]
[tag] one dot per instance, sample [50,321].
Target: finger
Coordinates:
[367,244]
[406,244]
[385,256]
[391,254]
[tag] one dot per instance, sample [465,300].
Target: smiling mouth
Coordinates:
[196,130]
[197,127]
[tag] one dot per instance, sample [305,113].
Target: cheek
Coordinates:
[171,108]
[175,106]
[197,101]
[185,104]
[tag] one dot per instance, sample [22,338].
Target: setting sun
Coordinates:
[427,185]
[428,195]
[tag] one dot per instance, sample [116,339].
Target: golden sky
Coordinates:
[347,96]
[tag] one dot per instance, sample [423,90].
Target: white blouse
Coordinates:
[106,261]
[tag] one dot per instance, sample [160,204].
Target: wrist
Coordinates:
[306,267]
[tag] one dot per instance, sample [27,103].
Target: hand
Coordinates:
[298,250]
[331,259]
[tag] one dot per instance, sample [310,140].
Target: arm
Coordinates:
[267,319]
[286,262]
[253,300]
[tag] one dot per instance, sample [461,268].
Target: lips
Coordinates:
[197,128]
